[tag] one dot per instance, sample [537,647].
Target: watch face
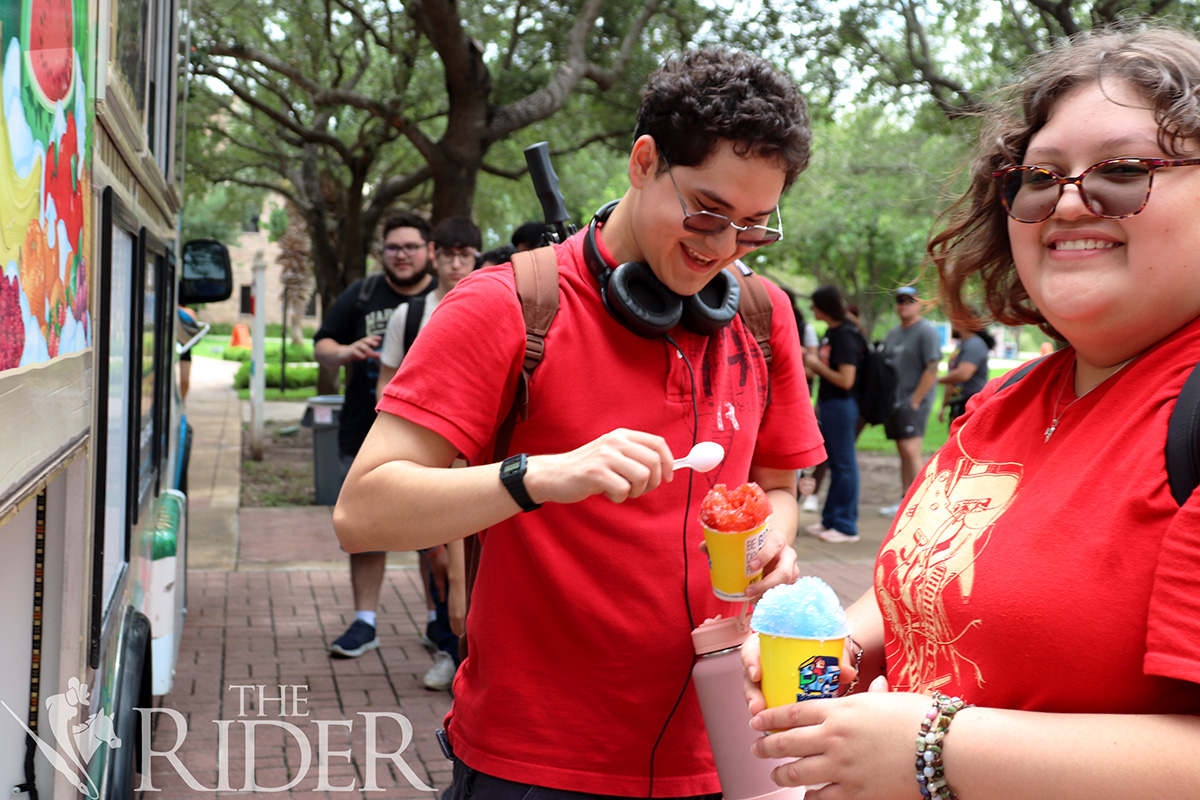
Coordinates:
[510,467]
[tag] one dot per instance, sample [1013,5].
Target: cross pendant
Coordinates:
[1050,431]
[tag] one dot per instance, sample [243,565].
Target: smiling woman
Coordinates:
[1083,217]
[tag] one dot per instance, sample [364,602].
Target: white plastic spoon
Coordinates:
[703,457]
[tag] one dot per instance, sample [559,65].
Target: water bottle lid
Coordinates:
[719,634]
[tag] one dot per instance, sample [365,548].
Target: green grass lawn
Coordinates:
[872,438]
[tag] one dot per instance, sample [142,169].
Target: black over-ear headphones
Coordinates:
[635,296]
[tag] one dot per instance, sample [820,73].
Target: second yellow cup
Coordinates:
[729,556]
[799,669]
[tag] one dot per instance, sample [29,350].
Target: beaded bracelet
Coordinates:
[857,664]
[931,774]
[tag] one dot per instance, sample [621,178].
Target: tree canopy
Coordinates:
[349,108]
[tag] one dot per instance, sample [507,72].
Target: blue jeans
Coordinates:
[442,634]
[838,417]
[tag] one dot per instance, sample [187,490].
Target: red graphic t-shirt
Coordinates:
[1052,574]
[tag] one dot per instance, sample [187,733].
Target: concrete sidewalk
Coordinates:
[268,588]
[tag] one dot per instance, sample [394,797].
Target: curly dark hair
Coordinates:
[457,232]
[695,100]
[407,219]
[1162,64]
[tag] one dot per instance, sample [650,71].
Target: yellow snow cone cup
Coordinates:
[729,556]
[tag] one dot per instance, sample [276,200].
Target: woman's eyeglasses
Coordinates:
[706,223]
[1113,189]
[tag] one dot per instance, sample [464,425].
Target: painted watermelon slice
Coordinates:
[49,28]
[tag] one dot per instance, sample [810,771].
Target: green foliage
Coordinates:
[859,216]
[276,224]
[295,353]
[297,376]
[217,211]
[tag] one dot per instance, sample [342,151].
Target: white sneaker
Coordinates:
[836,536]
[890,511]
[441,675]
[816,529]
[811,504]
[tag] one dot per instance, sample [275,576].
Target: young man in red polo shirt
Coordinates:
[592,576]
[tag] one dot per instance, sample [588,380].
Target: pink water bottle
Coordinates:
[718,679]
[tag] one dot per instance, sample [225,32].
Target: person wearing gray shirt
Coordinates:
[968,372]
[914,348]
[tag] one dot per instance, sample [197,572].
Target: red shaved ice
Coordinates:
[740,509]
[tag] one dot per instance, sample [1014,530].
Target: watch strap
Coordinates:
[512,475]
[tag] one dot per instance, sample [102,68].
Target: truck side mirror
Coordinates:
[207,273]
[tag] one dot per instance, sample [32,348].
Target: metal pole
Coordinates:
[283,342]
[258,360]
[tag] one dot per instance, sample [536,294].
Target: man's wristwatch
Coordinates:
[512,475]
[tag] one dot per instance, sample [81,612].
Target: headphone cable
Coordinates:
[687,602]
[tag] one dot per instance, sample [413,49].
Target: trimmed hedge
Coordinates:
[297,376]
[295,353]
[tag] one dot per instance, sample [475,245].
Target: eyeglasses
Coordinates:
[1113,189]
[410,249]
[706,223]
[464,256]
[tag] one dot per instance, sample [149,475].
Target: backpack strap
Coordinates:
[1021,372]
[755,308]
[1183,433]
[366,288]
[414,312]
[536,274]
[1183,440]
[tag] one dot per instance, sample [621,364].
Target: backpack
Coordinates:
[416,308]
[876,384]
[1183,432]
[536,273]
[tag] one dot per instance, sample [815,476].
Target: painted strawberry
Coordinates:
[12,326]
[62,168]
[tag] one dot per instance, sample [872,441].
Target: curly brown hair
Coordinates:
[695,100]
[1162,64]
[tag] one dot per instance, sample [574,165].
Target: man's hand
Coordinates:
[621,465]
[778,561]
[364,348]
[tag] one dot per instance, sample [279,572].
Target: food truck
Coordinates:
[93,439]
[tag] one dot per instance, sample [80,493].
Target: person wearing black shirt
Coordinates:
[351,335]
[837,365]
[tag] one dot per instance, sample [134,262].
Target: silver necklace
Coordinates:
[1071,376]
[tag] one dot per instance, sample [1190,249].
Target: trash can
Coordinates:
[323,414]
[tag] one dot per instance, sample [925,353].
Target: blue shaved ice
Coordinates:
[806,609]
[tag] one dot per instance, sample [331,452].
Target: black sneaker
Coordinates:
[358,639]
[431,638]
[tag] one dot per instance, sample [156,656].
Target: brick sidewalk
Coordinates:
[267,628]
[263,628]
